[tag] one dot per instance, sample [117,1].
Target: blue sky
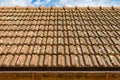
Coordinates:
[60,2]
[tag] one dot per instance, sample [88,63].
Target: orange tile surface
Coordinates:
[59,37]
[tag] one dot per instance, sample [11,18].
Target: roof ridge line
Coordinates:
[53,7]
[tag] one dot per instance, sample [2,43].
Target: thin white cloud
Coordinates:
[89,2]
[15,2]
[60,2]
[38,3]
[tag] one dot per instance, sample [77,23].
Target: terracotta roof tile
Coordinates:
[59,37]
[14,60]
[24,49]
[61,60]
[12,49]
[34,60]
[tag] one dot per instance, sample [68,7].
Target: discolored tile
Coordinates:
[37,49]
[24,49]
[21,60]
[12,49]
[48,49]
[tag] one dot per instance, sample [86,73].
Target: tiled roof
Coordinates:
[59,37]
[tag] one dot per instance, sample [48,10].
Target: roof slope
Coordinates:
[59,37]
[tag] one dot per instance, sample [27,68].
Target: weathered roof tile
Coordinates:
[59,37]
